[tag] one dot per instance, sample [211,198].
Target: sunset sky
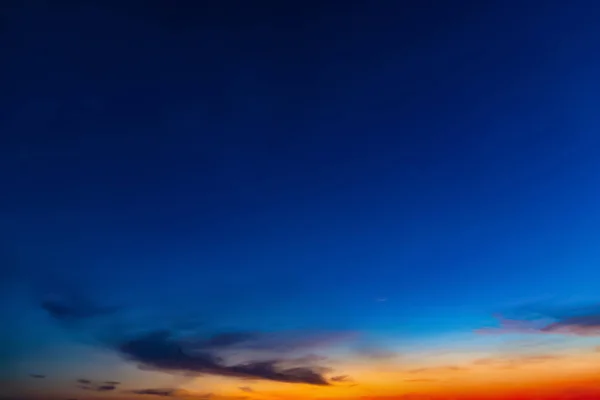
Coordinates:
[261,200]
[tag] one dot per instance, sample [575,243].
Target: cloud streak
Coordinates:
[87,384]
[162,351]
[69,312]
[157,392]
[275,356]
[578,321]
[516,362]
[341,378]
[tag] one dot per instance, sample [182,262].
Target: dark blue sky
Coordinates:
[285,166]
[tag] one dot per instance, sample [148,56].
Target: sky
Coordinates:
[374,200]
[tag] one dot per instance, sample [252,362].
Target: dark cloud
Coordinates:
[246,389]
[156,392]
[86,384]
[67,301]
[580,321]
[37,376]
[276,356]
[162,351]
[280,342]
[229,339]
[112,383]
[341,378]
[105,388]
[69,312]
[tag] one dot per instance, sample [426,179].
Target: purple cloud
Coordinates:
[579,321]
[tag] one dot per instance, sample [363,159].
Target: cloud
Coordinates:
[105,388]
[276,356]
[157,392]
[112,383]
[246,389]
[86,384]
[516,362]
[438,370]
[180,393]
[274,342]
[584,325]
[162,351]
[341,378]
[579,321]
[377,354]
[37,376]
[70,311]
[229,339]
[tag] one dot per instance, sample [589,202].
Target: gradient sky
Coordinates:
[295,200]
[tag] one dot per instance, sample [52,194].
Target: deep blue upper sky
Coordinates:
[286,166]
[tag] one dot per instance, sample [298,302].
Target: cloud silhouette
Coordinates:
[274,342]
[86,384]
[162,351]
[246,389]
[229,339]
[112,383]
[37,376]
[70,312]
[341,378]
[105,388]
[275,356]
[156,392]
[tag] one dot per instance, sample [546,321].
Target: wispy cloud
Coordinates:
[37,376]
[70,311]
[341,378]
[87,384]
[275,356]
[516,362]
[438,370]
[105,388]
[580,321]
[158,392]
[371,352]
[246,389]
[162,351]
